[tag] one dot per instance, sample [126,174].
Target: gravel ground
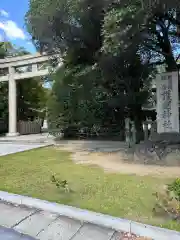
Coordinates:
[130,236]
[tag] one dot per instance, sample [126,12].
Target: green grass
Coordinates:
[127,196]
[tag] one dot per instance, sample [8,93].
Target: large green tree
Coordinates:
[156,34]
[77,29]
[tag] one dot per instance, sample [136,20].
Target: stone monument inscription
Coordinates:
[167,103]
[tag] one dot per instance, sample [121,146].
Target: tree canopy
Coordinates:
[150,25]
[110,49]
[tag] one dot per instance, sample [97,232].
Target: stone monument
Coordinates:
[163,148]
[167,108]
[167,103]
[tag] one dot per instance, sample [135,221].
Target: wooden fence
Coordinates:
[29,127]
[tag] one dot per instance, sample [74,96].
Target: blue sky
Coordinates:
[12,25]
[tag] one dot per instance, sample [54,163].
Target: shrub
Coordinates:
[168,201]
[175,188]
[71,132]
[61,184]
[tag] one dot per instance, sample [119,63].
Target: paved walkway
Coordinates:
[10,145]
[31,138]
[47,226]
[9,148]
[10,234]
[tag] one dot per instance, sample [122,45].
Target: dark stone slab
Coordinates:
[168,138]
[163,153]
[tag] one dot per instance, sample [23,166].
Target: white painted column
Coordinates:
[12,104]
[167,103]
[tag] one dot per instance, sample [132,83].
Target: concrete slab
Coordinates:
[61,229]
[154,232]
[10,148]
[93,232]
[10,234]
[31,138]
[82,215]
[11,215]
[36,223]
[96,226]
[117,236]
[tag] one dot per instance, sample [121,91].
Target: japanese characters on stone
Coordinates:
[166,98]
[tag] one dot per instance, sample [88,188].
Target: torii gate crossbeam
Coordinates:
[11,64]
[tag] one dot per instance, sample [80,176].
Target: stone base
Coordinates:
[158,153]
[169,138]
[12,134]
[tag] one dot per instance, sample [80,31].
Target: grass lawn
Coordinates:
[127,196]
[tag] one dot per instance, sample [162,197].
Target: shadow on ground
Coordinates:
[115,156]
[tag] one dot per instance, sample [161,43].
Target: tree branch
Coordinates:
[177,57]
[156,50]
[157,63]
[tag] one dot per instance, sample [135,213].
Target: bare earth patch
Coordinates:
[117,163]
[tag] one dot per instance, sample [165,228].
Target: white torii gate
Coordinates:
[11,64]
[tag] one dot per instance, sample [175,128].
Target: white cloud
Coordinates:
[29,43]
[4,13]
[11,30]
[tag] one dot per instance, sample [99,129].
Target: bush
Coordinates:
[175,188]
[60,184]
[168,201]
[71,132]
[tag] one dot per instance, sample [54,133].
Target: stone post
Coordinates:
[127,131]
[133,130]
[12,104]
[145,130]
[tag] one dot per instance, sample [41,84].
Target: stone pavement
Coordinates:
[31,138]
[10,234]
[42,225]
[10,145]
[10,148]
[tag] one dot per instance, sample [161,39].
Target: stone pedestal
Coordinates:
[12,134]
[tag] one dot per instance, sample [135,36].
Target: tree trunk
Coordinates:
[171,63]
[168,52]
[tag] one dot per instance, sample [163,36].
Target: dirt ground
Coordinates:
[113,157]
[114,162]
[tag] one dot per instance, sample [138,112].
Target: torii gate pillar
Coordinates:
[12,104]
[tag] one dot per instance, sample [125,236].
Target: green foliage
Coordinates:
[3,101]
[60,184]
[74,26]
[101,79]
[154,33]
[75,100]
[31,99]
[168,201]
[175,188]
[120,28]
